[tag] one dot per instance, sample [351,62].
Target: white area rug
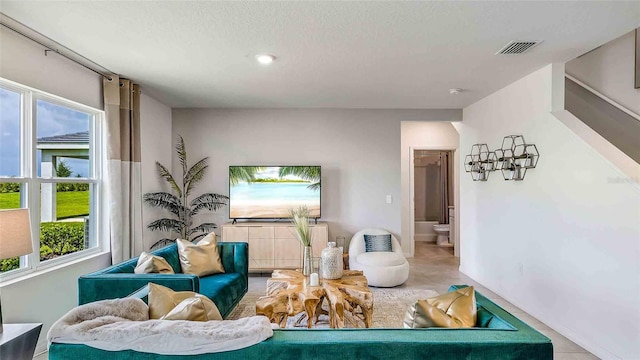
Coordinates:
[389,306]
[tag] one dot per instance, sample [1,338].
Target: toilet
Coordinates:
[443,233]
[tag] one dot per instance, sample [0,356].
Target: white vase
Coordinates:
[331,259]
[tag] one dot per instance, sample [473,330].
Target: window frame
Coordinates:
[31,183]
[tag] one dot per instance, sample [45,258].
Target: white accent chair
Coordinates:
[382,268]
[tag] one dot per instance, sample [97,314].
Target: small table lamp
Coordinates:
[15,237]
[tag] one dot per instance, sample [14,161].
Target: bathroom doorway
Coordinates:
[433,196]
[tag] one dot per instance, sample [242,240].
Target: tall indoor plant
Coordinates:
[300,220]
[177,202]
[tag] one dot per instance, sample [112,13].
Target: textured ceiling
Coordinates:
[330,54]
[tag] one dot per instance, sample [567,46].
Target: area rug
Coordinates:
[389,306]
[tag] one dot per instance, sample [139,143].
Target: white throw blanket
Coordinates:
[123,324]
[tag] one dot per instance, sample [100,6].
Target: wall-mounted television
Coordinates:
[269,192]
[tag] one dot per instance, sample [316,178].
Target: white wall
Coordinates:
[423,135]
[24,62]
[46,296]
[359,151]
[563,244]
[609,69]
[156,143]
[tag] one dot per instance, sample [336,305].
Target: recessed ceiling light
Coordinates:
[265,59]
[455,91]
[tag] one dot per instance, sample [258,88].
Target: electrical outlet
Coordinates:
[389,199]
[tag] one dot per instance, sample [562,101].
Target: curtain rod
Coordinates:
[49,48]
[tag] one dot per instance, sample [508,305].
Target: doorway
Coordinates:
[433,197]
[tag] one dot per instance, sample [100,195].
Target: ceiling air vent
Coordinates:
[517,47]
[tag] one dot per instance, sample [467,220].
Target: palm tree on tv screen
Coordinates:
[309,173]
[238,174]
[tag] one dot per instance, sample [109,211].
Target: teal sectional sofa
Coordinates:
[499,335]
[225,290]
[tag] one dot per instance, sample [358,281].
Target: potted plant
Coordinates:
[300,219]
[178,204]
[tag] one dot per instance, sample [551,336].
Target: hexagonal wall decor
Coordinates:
[480,162]
[515,157]
[468,163]
[492,161]
[532,154]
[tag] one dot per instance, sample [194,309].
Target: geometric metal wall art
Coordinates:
[480,162]
[515,157]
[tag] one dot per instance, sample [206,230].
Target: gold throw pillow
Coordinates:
[198,308]
[202,258]
[164,304]
[456,309]
[152,264]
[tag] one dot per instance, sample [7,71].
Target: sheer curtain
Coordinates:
[122,108]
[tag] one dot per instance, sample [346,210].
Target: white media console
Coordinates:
[274,245]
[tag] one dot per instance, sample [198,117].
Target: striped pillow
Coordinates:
[377,242]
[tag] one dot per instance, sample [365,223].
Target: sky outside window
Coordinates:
[9,133]
[55,120]
[52,120]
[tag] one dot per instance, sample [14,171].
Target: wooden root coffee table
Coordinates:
[288,295]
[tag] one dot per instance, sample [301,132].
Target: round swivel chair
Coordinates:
[382,268]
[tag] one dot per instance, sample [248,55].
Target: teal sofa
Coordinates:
[499,335]
[225,290]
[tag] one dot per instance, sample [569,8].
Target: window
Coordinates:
[50,162]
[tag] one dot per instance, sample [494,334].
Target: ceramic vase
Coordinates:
[331,259]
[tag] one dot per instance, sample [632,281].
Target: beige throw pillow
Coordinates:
[456,309]
[202,258]
[198,308]
[166,304]
[152,264]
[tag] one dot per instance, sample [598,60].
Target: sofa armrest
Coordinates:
[118,285]
[235,258]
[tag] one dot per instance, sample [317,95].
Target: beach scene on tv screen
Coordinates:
[271,191]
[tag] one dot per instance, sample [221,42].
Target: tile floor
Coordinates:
[436,268]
